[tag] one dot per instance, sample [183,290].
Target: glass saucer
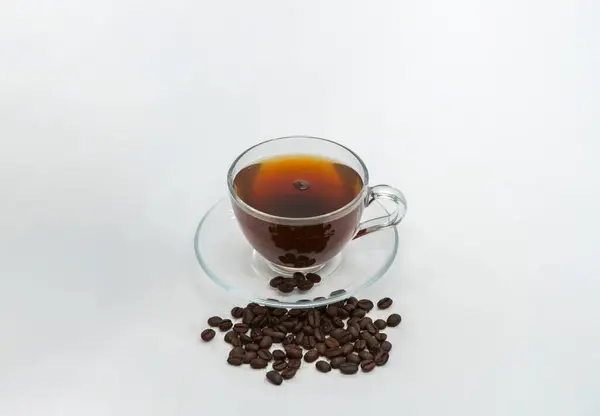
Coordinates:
[230,261]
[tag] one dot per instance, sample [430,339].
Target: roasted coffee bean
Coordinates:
[294,313]
[333,352]
[257,322]
[365,355]
[382,336]
[299,338]
[306,342]
[237,312]
[278,355]
[280,365]
[358,313]
[298,327]
[288,340]
[312,342]
[380,324]
[288,325]
[294,353]
[294,363]
[337,361]
[347,349]
[207,335]
[308,330]
[337,322]
[382,359]
[394,320]
[353,321]
[372,330]
[279,328]
[365,304]
[214,321]
[367,365]
[338,292]
[323,366]
[265,355]
[319,335]
[364,322]
[313,277]
[299,276]
[274,377]
[311,356]
[386,346]
[279,311]
[240,328]
[327,328]
[266,342]
[384,303]
[288,373]
[251,305]
[348,307]
[365,335]
[345,338]
[276,281]
[247,316]
[305,285]
[321,348]
[331,311]
[285,288]
[354,332]
[360,345]
[353,358]
[252,347]
[332,343]
[235,360]
[338,333]
[237,352]
[236,342]
[277,336]
[289,281]
[372,343]
[343,313]
[245,339]
[348,368]
[352,300]
[256,332]
[258,363]
[249,356]
[225,325]
[259,310]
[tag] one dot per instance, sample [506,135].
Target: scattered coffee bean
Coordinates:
[333,352]
[380,324]
[288,373]
[299,276]
[365,304]
[313,277]
[279,311]
[294,353]
[332,343]
[278,355]
[299,338]
[372,329]
[274,377]
[343,313]
[214,321]
[237,352]
[247,316]
[382,359]
[331,311]
[347,349]
[266,342]
[249,356]
[280,365]
[259,310]
[258,363]
[385,303]
[360,345]
[323,366]
[276,281]
[305,285]
[365,355]
[382,336]
[321,348]
[348,368]
[265,355]
[225,325]
[252,347]
[237,312]
[285,288]
[207,335]
[235,360]
[294,363]
[245,339]
[353,358]
[386,346]
[337,361]
[367,365]
[240,328]
[394,320]
[372,343]
[319,335]
[289,281]
[311,356]
[358,313]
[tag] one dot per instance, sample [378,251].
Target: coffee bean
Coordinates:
[347,349]
[312,342]
[382,359]
[352,300]
[323,366]
[358,313]
[225,325]
[237,312]
[294,353]
[311,356]
[299,276]
[386,346]
[251,305]
[364,322]
[353,322]
[285,288]
[299,338]
[385,303]
[245,339]
[289,281]
[235,360]
[343,313]
[338,333]
[279,311]
[294,313]
[266,342]
[338,292]
[382,336]
[276,281]
[259,310]
[319,335]
[280,365]
[278,355]
[348,307]
[252,347]
[345,338]
[394,320]
[372,343]
[372,330]
[305,285]
[337,322]
[331,311]
[294,363]
[258,363]
[364,335]
[240,328]
[247,316]
[288,325]
[258,321]
[321,348]
[298,327]
[367,365]
[365,355]
[365,304]
[332,343]
[380,324]
[236,342]
[207,335]
[288,373]
[308,330]
[348,368]
[313,277]
[265,355]
[237,352]
[274,377]
[277,336]
[327,327]
[249,356]
[353,358]
[214,321]
[288,340]
[337,361]
[354,332]
[333,352]
[360,345]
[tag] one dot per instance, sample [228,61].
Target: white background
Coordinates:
[118,121]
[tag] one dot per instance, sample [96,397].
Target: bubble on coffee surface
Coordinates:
[301,184]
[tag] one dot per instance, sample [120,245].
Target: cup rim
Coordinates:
[293,220]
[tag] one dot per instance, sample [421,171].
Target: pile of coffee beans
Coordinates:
[298,281]
[338,336]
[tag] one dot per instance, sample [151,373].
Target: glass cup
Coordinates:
[290,244]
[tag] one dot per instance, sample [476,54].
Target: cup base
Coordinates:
[268,270]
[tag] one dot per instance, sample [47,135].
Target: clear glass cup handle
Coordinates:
[392,219]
